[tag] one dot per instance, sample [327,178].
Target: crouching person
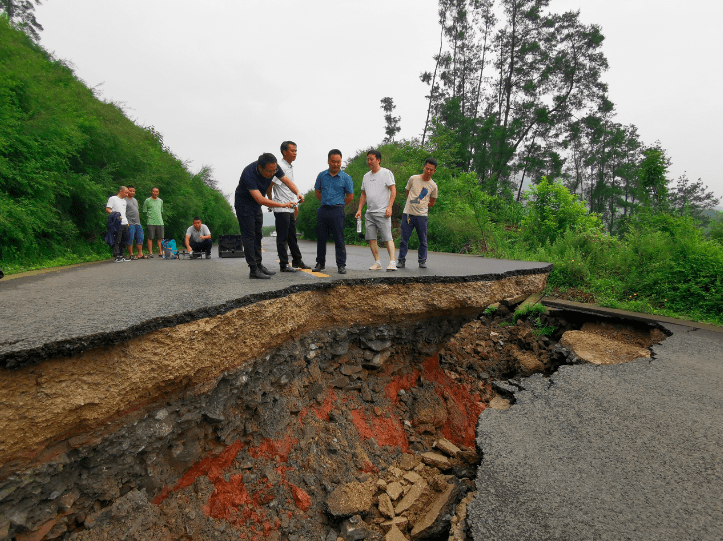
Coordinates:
[198,238]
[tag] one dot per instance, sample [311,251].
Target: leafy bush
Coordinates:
[551,210]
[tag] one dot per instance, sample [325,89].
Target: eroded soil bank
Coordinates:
[356,431]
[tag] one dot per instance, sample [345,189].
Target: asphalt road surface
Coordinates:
[628,451]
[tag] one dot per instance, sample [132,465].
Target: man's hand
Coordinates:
[388,213]
[301,198]
[288,205]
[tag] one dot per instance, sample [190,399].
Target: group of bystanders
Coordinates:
[125,229]
[266,182]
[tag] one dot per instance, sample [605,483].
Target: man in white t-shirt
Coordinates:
[198,238]
[422,193]
[117,203]
[378,191]
[286,217]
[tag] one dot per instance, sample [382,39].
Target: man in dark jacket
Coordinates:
[250,196]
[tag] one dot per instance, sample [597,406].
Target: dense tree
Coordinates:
[652,177]
[392,122]
[21,15]
[508,89]
[517,95]
[692,198]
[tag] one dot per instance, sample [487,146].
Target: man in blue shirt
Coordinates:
[253,184]
[334,189]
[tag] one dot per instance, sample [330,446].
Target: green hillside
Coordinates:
[63,152]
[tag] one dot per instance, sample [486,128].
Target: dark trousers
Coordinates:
[203,246]
[250,225]
[330,220]
[286,236]
[120,240]
[409,224]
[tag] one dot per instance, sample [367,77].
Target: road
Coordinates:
[629,451]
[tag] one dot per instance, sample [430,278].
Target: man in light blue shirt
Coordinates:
[334,189]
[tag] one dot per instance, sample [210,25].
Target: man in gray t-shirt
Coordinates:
[198,238]
[135,231]
[378,192]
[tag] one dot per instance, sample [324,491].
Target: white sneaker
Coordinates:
[376,266]
[392,266]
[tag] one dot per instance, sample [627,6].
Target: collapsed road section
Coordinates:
[220,418]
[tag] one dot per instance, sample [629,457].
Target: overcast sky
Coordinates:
[225,80]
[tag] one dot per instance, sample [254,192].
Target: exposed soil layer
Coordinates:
[69,402]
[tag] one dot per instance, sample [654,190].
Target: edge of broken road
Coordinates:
[625,314]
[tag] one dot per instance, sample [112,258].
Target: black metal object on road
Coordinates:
[230,246]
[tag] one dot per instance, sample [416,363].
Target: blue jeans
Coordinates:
[330,219]
[409,223]
[135,232]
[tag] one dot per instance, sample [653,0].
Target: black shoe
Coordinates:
[400,263]
[422,264]
[258,273]
[300,265]
[319,268]
[208,255]
[342,270]
[288,268]
[266,271]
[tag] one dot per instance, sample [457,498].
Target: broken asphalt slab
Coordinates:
[61,313]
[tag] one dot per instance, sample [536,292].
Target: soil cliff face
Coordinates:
[80,432]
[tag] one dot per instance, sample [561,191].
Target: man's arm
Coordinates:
[286,180]
[432,201]
[317,193]
[349,189]
[261,200]
[269,192]
[362,202]
[108,210]
[392,196]
[188,245]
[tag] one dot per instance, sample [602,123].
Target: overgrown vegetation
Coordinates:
[63,152]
